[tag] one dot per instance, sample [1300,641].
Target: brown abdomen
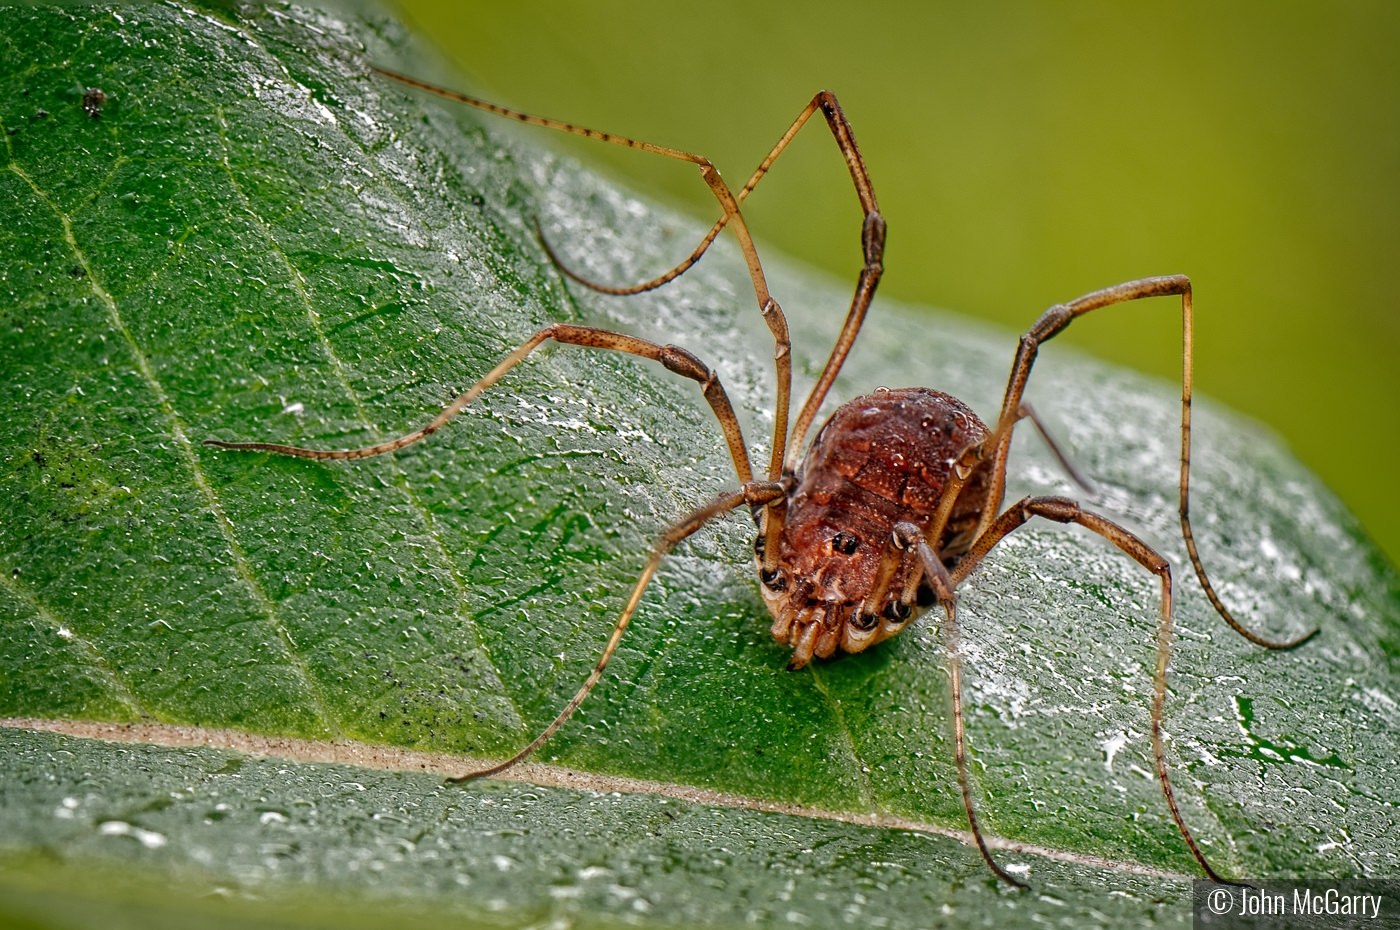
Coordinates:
[886,457]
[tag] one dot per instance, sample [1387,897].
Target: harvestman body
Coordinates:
[899,497]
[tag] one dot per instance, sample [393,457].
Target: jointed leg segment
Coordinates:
[1063,510]
[992,528]
[674,358]
[785,447]
[768,499]
[845,140]
[768,307]
[1054,321]
[908,536]
[754,494]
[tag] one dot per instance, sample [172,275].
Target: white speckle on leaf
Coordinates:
[147,838]
[1111,747]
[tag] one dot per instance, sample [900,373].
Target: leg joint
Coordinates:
[1050,323]
[1058,509]
[872,238]
[760,494]
[683,362]
[904,535]
[588,336]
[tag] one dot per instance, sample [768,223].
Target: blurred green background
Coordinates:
[1025,153]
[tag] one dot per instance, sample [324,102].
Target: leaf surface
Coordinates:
[256,239]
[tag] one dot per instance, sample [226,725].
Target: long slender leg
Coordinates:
[673,357]
[752,493]
[1029,413]
[768,307]
[872,239]
[872,245]
[785,449]
[1052,322]
[1063,510]
[844,139]
[908,536]
[662,279]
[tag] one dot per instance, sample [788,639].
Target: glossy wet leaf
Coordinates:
[257,240]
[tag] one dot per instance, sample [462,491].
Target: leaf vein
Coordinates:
[118,685]
[424,516]
[862,782]
[370,756]
[187,454]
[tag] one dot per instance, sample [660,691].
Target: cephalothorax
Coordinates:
[899,497]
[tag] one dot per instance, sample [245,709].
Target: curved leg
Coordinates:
[662,279]
[767,306]
[1063,510]
[1028,412]
[845,140]
[754,494]
[673,357]
[1054,321]
[785,448]
[872,247]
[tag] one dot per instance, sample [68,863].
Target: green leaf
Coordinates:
[256,239]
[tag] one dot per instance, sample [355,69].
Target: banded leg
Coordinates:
[872,248]
[1054,321]
[754,494]
[1063,510]
[673,358]
[845,140]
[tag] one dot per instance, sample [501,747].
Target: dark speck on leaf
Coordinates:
[93,101]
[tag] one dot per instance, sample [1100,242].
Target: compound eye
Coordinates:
[774,580]
[844,543]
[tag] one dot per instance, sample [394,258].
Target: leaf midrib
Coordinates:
[545,775]
[463,612]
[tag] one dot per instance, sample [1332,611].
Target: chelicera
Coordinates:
[900,496]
